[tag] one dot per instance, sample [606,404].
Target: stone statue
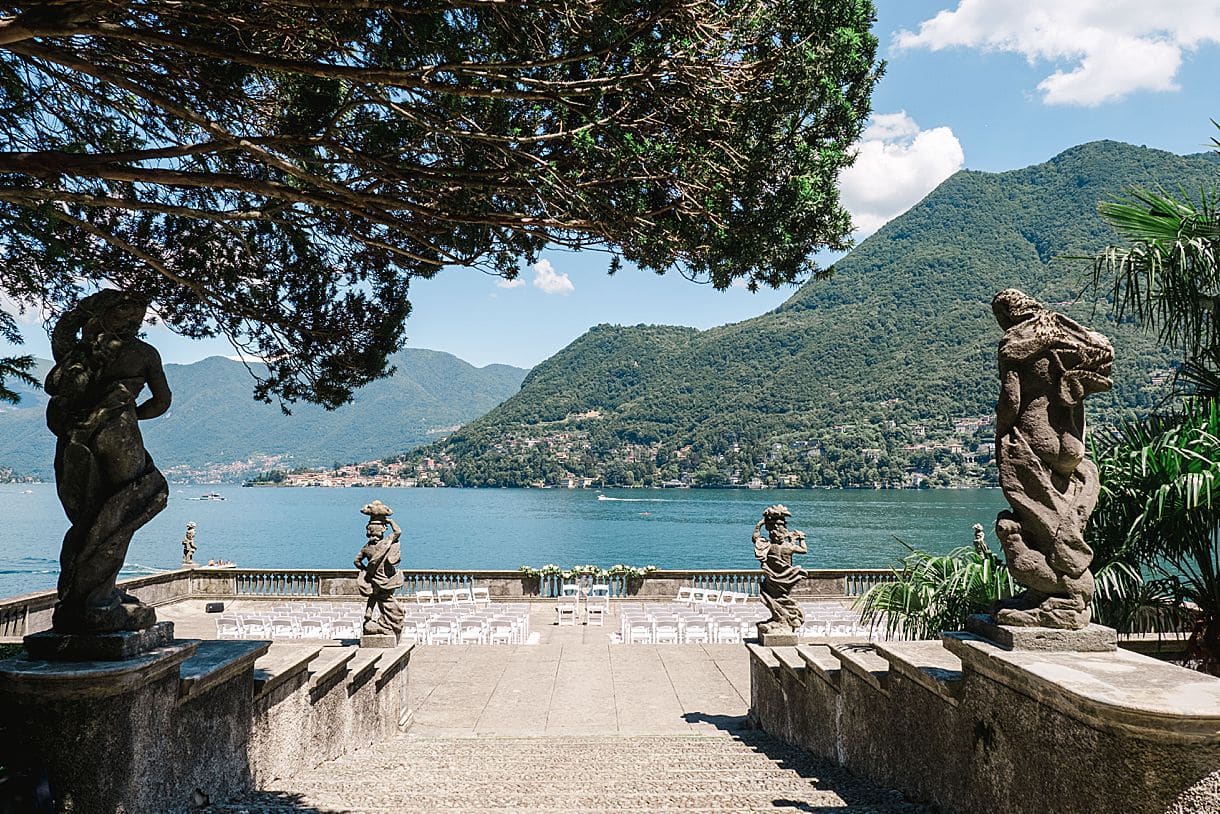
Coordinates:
[980,540]
[379,575]
[106,480]
[780,576]
[1048,365]
[188,545]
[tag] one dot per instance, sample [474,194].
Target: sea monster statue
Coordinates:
[1048,365]
[774,553]
[379,576]
[106,480]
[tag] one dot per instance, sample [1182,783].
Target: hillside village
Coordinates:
[955,453]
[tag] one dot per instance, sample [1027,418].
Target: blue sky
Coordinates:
[980,84]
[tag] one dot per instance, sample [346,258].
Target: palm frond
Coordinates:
[932,593]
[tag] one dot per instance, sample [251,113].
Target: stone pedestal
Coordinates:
[777,638]
[96,728]
[1091,639]
[125,644]
[378,640]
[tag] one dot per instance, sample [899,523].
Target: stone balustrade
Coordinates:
[970,726]
[31,612]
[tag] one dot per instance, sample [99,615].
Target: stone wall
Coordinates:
[977,728]
[195,720]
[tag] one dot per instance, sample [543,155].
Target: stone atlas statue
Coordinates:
[379,576]
[1048,365]
[106,480]
[774,553]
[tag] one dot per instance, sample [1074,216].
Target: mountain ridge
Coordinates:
[864,378]
[214,423]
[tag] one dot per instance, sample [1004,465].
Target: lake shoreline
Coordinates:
[503,529]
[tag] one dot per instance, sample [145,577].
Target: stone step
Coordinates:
[272,806]
[476,788]
[677,774]
[678,801]
[626,754]
[520,771]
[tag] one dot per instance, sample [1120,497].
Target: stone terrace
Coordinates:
[572,723]
[574,681]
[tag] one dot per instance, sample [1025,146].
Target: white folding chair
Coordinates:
[665,630]
[424,598]
[566,608]
[684,594]
[446,596]
[314,628]
[283,627]
[637,630]
[728,631]
[501,630]
[695,630]
[441,631]
[346,628]
[597,605]
[471,631]
[481,596]
[229,627]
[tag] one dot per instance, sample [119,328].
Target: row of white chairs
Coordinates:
[689,628]
[688,595]
[299,625]
[478,596]
[507,625]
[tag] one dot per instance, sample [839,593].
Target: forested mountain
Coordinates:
[884,374]
[216,427]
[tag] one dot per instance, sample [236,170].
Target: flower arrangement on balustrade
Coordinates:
[629,572]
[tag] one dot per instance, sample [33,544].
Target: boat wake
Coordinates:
[634,499]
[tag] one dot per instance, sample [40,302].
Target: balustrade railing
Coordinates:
[24,614]
[741,582]
[276,583]
[13,620]
[859,582]
[416,581]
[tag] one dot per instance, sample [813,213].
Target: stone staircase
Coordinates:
[745,771]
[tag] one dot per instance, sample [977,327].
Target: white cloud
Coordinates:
[896,166]
[23,315]
[550,281]
[1101,50]
[515,282]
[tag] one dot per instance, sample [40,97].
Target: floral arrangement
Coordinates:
[629,572]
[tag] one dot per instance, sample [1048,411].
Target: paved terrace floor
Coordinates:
[573,681]
[574,723]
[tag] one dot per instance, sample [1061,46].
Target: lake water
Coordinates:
[502,528]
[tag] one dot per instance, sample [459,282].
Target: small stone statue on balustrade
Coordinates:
[774,553]
[188,546]
[379,576]
[1048,365]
